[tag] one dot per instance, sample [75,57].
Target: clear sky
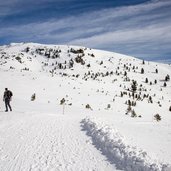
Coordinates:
[140,28]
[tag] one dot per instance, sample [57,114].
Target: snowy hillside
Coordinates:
[93,110]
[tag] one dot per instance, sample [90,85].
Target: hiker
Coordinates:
[7,98]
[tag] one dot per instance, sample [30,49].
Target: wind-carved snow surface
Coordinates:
[113,145]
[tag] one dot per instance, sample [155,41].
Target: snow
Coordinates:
[113,145]
[47,142]
[44,135]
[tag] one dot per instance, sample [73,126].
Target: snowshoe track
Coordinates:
[48,142]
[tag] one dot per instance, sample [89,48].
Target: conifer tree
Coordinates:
[155,81]
[134,86]
[142,70]
[33,97]
[133,114]
[146,80]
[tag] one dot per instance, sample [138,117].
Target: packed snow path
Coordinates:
[47,142]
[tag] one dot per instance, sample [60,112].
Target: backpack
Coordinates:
[10,93]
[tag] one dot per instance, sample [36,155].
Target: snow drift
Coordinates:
[114,147]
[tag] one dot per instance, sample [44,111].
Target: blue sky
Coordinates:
[140,28]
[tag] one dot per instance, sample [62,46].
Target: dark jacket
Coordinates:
[7,95]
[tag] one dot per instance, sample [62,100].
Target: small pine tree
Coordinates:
[167,78]
[121,94]
[146,80]
[157,117]
[142,70]
[133,114]
[101,62]
[33,97]
[88,65]
[156,71]
[155,81]
[62,101]
[27,49]
[134,86]
[133,103]
[128,109]
[170,108]
[108,106]
[143,62]
[136,96]
[150,99]
[125,73]
[88,106]
[164,84]
[129,102]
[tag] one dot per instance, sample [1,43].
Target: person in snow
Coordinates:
[7,98]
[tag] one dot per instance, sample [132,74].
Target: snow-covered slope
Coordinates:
[93,83]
